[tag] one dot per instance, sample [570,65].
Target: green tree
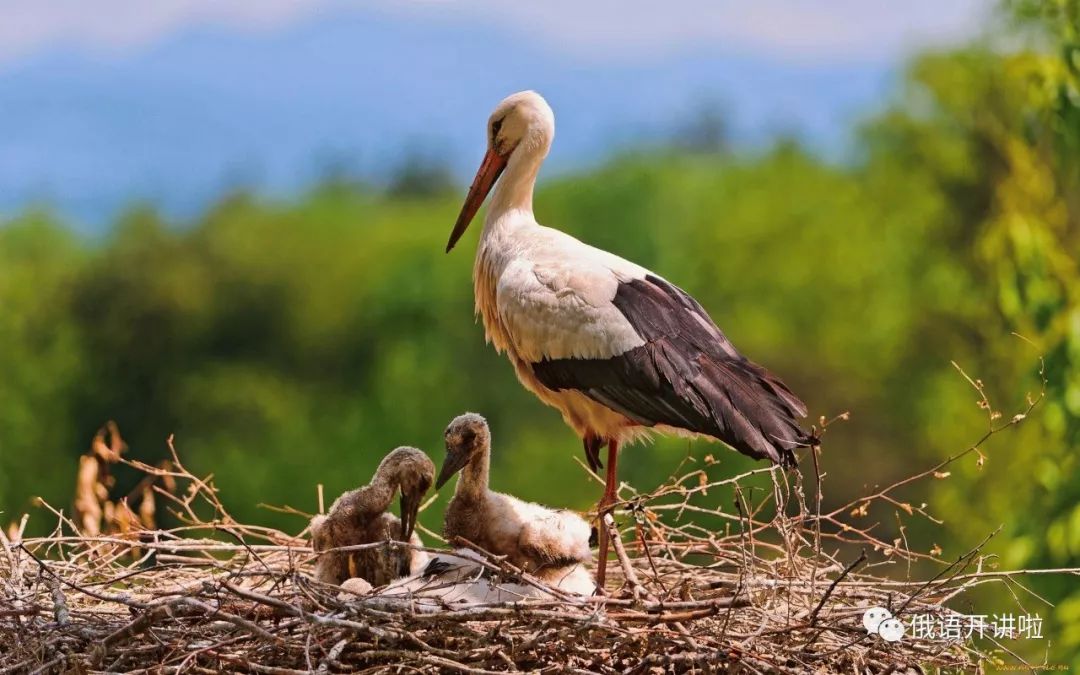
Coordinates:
[995,135]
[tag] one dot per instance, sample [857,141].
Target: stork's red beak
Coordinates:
[490,170]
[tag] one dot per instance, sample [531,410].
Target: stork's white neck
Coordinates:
[514,191]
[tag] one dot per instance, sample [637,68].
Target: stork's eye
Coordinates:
[495,127]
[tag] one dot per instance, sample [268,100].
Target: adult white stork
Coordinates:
[616,348]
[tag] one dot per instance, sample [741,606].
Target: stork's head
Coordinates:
[523,120]
[467,437]
[412,472]
[520,129]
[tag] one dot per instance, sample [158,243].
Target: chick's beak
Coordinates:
[451,465]
[410,506]
[490,170]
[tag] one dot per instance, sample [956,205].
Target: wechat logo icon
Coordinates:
[880,621]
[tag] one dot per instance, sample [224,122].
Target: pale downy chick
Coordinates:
[360,517]
[537,539]
[458,580]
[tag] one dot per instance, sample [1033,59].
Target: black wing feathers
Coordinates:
[687,375]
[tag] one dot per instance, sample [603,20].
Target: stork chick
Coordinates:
[360,517]
[543,541]
[460,580]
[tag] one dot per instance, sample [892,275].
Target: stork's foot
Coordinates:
[603,541]
[607,503]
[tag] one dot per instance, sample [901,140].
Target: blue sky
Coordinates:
[175,101]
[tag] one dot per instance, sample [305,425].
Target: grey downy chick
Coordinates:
[536,538]
[360,516]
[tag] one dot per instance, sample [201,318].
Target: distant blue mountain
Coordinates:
[179,122]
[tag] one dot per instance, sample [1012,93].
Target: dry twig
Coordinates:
[708,587]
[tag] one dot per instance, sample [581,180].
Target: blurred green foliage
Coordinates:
[291,344]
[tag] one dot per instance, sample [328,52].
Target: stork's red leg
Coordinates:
[604,507]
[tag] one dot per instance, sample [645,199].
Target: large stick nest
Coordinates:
[766,582]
